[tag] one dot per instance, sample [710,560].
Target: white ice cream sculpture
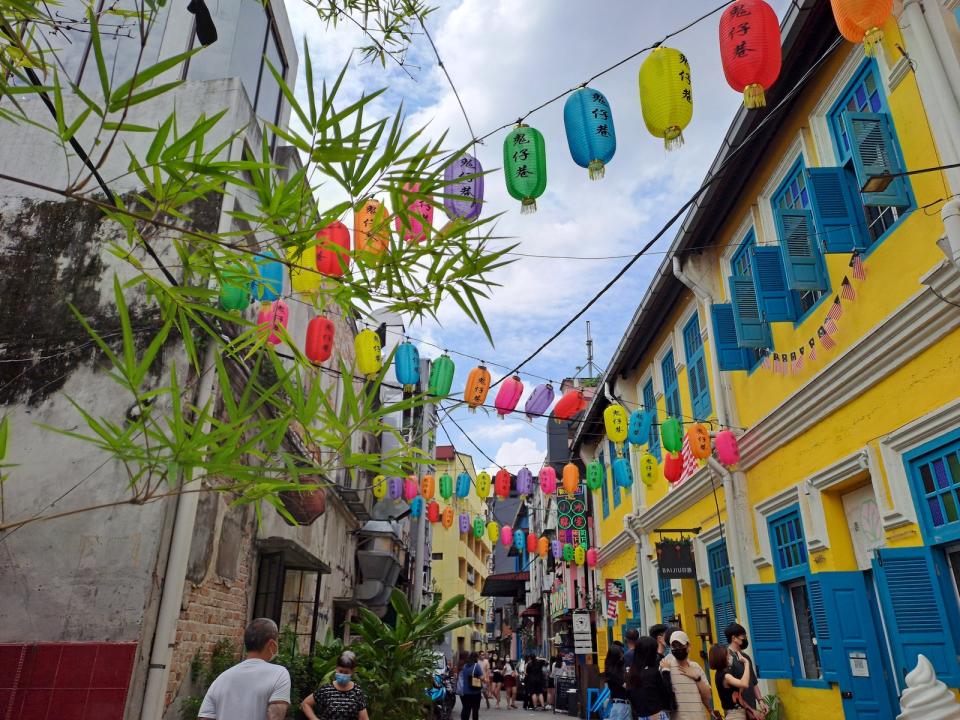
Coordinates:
[926,697]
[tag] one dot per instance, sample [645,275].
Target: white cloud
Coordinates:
[522,451]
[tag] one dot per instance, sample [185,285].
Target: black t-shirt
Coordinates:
[724,691]
[334,704]
[651,694]
[616,684]
[737,667]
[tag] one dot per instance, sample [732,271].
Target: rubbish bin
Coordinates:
[573,702]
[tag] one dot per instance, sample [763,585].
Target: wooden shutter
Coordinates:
[752,330]
[837,212]
[730,355]
[768,633]
[822,626]
[874,153]
[800,249]
[776,299]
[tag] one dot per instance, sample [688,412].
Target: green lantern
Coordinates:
[568,552]
[441,376]
[479,528]
[671,432]
[446,486]
[595,475]
[234,290]
[525,166]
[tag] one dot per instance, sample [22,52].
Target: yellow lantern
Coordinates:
[579,555]
[571,478]
[304,277]
[666,95]
[427,487]
[483,485]
[379,487]
[615,422]
[493,531]
[699,438]
[367,348]
[649,469]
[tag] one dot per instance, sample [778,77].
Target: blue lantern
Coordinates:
[463,485]
[407,365]
[638,427]
[588,121]
[622,472]
[269,283]
[416,506]
[519,540]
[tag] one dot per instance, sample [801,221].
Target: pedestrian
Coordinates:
[730,684]
[649,689]
[555,670]
[689,681]
[657,632]
[253,689]
[485,666]
[737,642]
[632,636]
[470,688]
[496,680]
[615,677]
[535,683]
[510,683]
[340,699]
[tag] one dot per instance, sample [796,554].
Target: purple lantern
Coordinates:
[524,481]
[557,548]
[464,523]
[466,198]
[395,488]
[539,401]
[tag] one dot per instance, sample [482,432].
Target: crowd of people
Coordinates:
[531,680]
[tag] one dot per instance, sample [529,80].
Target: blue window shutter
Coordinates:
[800,249]
[915,612]
[776,299]
[837,211]
[696,369]
[824,623]
[650,405]
[768,633]
[874,153]
[730,355]
[751,329]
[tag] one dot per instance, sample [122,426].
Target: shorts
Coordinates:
[497,677]
[735,714]
[510,681]
[620,711]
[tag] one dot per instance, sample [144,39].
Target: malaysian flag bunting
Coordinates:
[690,464]
[826,342]
[836,310]
[830,326]
[846,289]
[766,361]
[856,262]
[776,364]
[611,609]
[813,349]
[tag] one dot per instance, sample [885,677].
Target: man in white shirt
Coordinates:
[253,689]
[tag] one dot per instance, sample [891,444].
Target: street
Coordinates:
[502,713]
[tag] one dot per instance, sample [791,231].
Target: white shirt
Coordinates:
[244,691]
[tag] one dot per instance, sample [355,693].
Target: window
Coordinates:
[696,369]
[749,314]
[635,598]
[788,543]
[604,491]
[614,488]
[437,556]
[934,471]
[671,386]
[666,598]
[806,635]
[650,405]
[721,586]
[288,596]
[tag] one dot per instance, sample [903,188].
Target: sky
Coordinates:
[506,58]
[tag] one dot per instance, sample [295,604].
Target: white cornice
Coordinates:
[610,550]
[692,491]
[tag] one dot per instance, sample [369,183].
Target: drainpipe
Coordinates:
[174,577]
[638,548]
[733,537]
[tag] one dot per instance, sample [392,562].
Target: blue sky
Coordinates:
[506,58]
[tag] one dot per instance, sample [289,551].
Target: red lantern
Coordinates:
[333,249]
[532,540]
[433,511]
[673,467]
[750,49]
[501,483]
[572,402]
[319,345]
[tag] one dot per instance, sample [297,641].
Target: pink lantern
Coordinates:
[410,488]
[271,317]
[509,395]
[548,480]
[592,557]
[728,449]
[506,536]
[419,218]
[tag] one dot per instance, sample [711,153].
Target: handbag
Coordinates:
[476,681]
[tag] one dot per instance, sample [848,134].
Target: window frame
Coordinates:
[948,532]
[661,590]
[781,518]
[674,390]
[699,355]
[747,237]
[654,448]
[796,651]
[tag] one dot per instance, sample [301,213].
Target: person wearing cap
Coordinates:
[688,679]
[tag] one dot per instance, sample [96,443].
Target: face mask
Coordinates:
[744,644]
[679,653]
[341,678]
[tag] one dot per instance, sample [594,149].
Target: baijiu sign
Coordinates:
[675,560]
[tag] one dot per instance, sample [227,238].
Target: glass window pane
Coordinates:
[950,507]
[953,462]
[247,54]
[941,472]
[927,479]
[936,514]
[268,101]
[120,40]
[861,96]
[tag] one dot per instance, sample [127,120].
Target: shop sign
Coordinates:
[675,560]
[616,589]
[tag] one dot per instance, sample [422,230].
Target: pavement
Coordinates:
[502,713]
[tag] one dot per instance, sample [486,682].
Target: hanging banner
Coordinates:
[675,560]
[616,590]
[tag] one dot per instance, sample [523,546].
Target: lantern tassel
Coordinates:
[871,41]
[596,169]
[673,138]
[528,206]
[753,96]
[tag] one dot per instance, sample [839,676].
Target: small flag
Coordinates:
[776,364]
[826,342]
[836,310]
[830,326]
[611,609]
[846,289]
[690,464]
[766,360]
[813,349]
[797,362]
[856,262]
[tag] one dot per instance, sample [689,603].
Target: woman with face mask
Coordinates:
[340,699]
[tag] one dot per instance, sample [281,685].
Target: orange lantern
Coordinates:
[427,487]
[699,438]
[861,20]
[543,547]
[448,518]
[478,385]
[370,227]
[571,478]
[333,249]
[501,484]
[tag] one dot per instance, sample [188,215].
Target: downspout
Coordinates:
[638,548]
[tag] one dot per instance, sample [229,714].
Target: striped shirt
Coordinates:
[684,680]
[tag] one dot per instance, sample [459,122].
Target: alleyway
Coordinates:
[504,714]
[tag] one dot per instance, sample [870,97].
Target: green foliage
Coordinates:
[775,707]
[204,671]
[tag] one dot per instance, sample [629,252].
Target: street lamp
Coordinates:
[702,620]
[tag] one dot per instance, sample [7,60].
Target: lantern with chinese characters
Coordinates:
[548,480]
[370,227]
[519,539]
[483,484]
[539,401]
[543,547]
[571,478]
[234,289]
[525,166]
[699,438]
[568,552]
[648,469]
[588,120]
[463,485]
[615,423]
[464,194]
[367,349]
[415,227]
[269,283]
[595,475]
[672,467]
[319,345]
[446,486]
[478,527]
[271,318]
[427,487]
[572,402]
[441,376]
[861,20]
[666,95]
[579,555]
[638,427]
[433,511]
[406,363]
[333,249]
[592,557]
[410,488]
[493,531]
[478,385]
[379,487]
[502,483]
[395,488]
[750,49]
[671,432]
[524,481]
[728,449]
[508,396]
[531,542]
[304,275]
[506,536]
[447,518]
[465,524]
[556,548]
[622,473]
[416,507]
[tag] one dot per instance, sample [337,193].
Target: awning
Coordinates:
[505,584]
[532,611]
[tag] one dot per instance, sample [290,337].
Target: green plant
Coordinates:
[223,655]
[775,707]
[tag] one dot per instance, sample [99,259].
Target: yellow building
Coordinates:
[460,562]
[841,552]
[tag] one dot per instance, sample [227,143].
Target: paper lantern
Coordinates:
[699,438]
[463,485]
[502,483]
[525,166]
[506,536]
[519,539]
[556,547]
[666,95]
[508,396]
[572,402]
[728,449]
[543,547]
[579,555]
[750,49]
[333,249]
[379,487]
[478,528]
[568,552]
[415,227]
[441,376]
[465,524]
[588,121]
[406,363]
[478,385]
[234,289]
[304,276]
[447,518]
[671,433]
[524,481]
[622,473]
[446,486]
[483,484]
[493,531]
[367,349]
[595,475]
[464,199]
[531,543]
[269,283]
[672,467]
[592,557]
[433,511]
[571,478]
[548,480]
[410,488]
[638,427]
[416,507]
[319,345]
[615,423]
[861,20]
[371,231]
[427,486]
[648,469]
[271,318]
[539,401]
[395,488]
